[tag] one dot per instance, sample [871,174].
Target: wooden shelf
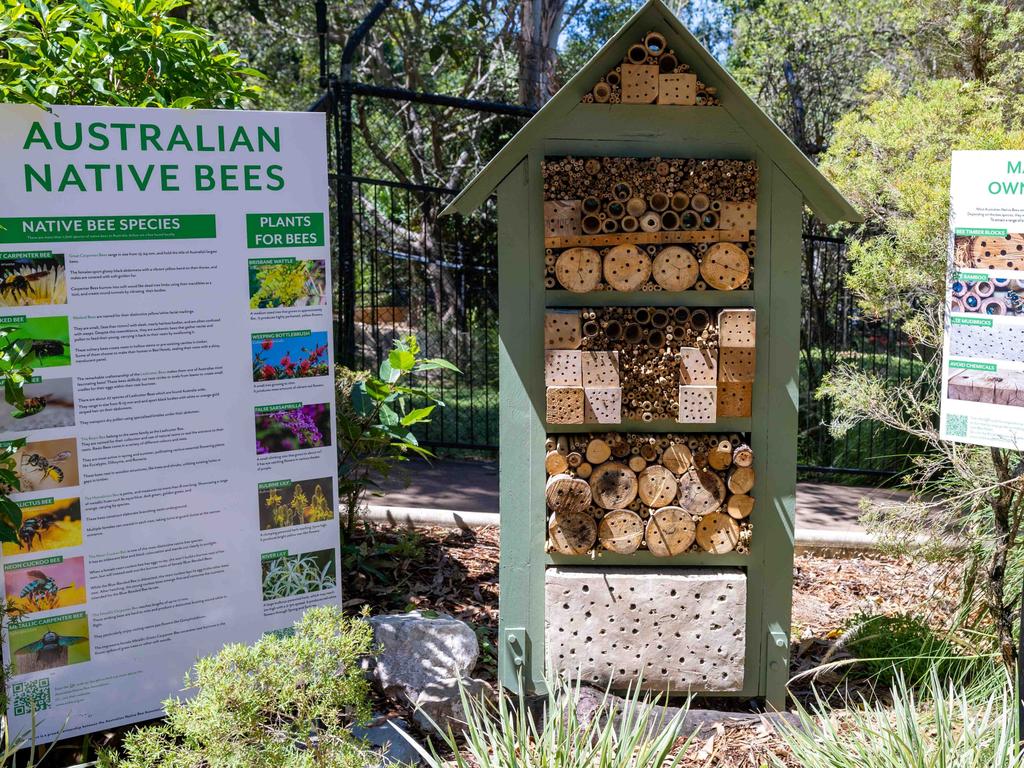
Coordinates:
[722,425]
[644,559]
[554,298]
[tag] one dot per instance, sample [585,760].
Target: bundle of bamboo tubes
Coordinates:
[667,493]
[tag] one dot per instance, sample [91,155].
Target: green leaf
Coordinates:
[417,415]
[362,401]
[433,363]
[388,417]
[388,372]
[401,359]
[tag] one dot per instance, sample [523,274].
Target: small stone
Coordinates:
[439,705]
[391,737]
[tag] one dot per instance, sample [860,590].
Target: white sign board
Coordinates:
[171,272]
[983,350]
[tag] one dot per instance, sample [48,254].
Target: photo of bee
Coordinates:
[46,340]
[48,643]
[47,464]
[32,278]
[45,584]
[53,525]
[48,403]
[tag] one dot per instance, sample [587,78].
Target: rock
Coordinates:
[389,735]
[417,650]
[439,705]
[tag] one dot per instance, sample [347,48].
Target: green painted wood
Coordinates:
[644,559]
[650,299]
[722,425]
[822,197]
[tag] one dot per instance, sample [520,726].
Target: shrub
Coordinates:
[287,700]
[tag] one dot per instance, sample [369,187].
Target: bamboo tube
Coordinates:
[689,220]
[629,224]
[637,53]
[602,93]
[654,42]
[591,204]
[700,202]
[659,201]
[650,222]
[669,220]
[680,202]
[635,206]
[590,224]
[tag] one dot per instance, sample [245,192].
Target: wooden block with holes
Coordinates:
[735,399]
[564,405]
[697,404]
[737,328]
[563,367]
[562,329]
[738,216]
[698,366]
[677,88]
[562,218]
[602,405]
[600,369]
[639,83]
[736,364]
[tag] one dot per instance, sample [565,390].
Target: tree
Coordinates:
[891,157]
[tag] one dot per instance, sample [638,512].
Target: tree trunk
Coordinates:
[1001,613]
[540,24]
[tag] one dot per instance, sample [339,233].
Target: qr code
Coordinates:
[31,696]
[956,425]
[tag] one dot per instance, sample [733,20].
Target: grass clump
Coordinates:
[287,701]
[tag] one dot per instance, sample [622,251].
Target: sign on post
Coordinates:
[170,273]
[983,350]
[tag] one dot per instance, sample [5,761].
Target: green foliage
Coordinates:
[942,727]
[624,733]
[376,414]
[287,700]
[116,52]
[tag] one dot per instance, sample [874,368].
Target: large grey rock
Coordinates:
[681,630]
[439,705]
[417,650]
[391,738]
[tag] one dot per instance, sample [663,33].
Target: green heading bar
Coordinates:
[281,335]
[972,277]
[979,232]
[274,555]
[51,620]
[981,322]
[35,229]
[272,262]
[272,484]
[29,503]
[275,408]
[42,561]
[25,255]
[967,365]
[284,230]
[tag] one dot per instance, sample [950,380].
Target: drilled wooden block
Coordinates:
[639,83]
[735,399]
[676,629]
[562,329]
[600,369]
[1001,341]
[564,405]
[737,327]
[562,218]
[990,252]
[738,216]
[677,88]
[698,366]
[736,364]
[602,405]
[563,368]
[697,404]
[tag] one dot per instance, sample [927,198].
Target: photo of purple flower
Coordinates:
[293,427]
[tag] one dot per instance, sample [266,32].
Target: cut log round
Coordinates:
[579,269]
[574,459]
[626,268]
[565,493]
[621,531]
[725,266]
[675,268]
[637,463]
[741,479]
[742,456]
[739,506]
[657,486]
[555,463]
[720,455]
[670,531]
[584,470]
[613,485]
[598,451]
[718,533]
[572,533]
[701,492]
[677,458]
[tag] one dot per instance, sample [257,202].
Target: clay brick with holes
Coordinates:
[735,399]
[562,329]
[737,328]
[639,83]
[697,404]
[678,88]
[563,368]
[602,405]
[736,364]
[600,369]
[698,366]
[564,405]
[738,216]
[562,218]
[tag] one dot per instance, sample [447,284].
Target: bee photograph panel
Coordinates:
[45,584]
[57,641]
[289,355]
[48,403]
[43,465]
[296,503]
[32,278]
[288,575]
[46,339]
[47,524]
[287,282]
